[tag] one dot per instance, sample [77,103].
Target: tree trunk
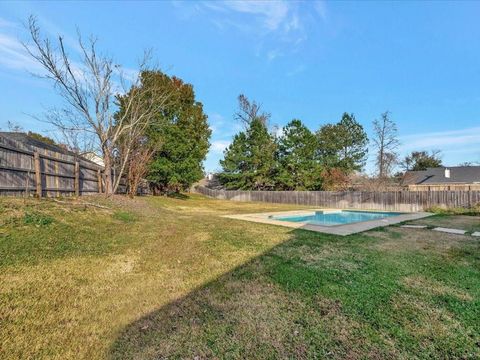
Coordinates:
[133,182]
[107,159]
[381,161]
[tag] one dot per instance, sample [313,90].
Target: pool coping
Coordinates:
[343,230]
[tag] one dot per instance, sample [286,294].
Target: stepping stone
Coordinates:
[476,233]
[450,231]
[414,226]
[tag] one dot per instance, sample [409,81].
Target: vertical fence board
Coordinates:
[38,173]
[77,179]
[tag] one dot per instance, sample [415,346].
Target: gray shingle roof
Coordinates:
[434,176]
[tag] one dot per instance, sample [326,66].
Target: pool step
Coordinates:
[329,212]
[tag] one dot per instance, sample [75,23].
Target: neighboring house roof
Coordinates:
[436,176]
[94,157]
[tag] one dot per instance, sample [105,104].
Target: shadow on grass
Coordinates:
[314,296]
[222,318]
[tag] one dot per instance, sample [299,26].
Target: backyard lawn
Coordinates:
[158,277]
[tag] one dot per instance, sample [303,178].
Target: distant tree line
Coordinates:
[296,158]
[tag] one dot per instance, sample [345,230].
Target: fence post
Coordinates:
[77,178]
[27,185]
[99,178]
[38,173]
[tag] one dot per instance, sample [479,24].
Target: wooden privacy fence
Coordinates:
[388,201]
[452,187]
[27,169]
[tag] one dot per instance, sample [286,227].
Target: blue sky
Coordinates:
[307,60]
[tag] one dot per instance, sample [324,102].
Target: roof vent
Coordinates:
[447,173]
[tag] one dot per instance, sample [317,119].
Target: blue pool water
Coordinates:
[334,218]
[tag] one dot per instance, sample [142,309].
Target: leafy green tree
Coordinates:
[328,147]
[235,163]
[299,168]
[421,160]
[183,132]
[250,161]
[178,133]
[353,143]
[343,145]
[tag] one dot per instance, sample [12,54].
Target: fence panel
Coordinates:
[54,171]
[407,201]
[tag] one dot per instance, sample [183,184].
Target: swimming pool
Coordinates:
[331,221]
[334,217]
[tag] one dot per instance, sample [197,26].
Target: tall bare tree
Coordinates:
[249,111]
[137,166]
[385,140]
[89,88]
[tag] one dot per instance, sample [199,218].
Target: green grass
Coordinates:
[474,211]
[170,278]
[37,219]
[469,223]
[124,216]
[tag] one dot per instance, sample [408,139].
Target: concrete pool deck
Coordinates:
[344,229]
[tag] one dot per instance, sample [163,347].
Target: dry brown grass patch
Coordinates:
[425,320]
[406,239]
[433,287]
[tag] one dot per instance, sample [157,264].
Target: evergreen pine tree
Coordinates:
[299,168]
[249,162]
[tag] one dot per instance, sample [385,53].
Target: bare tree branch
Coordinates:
[90,93]
[386,142]
[249,111]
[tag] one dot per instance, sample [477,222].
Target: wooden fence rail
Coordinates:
[387,201]
[27,169]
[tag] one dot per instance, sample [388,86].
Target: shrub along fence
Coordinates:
[27,169]
[388,201]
